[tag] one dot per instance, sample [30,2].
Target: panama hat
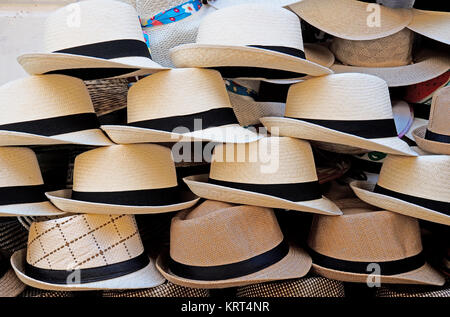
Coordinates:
[180,105]
[165,290]
[86,252]
[413,186]
[239,42]
[348,109]
[13,236]
[10,285]
[435,137]
[394,291]
[90,40]
[218,245]
[48,109]
[127,179]
[272,172]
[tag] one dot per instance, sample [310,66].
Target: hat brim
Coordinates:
[44,208]
[295,264]
[10,285]
[432,24]
[309,131]
[417,122]
[144,278]
[364,191]
[62,200]
[199,185]
[428,145]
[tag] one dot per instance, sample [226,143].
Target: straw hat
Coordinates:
[13,236]
[126,179]
[349,109]
[413,186]
[165,290]
[86,252]
[272,172]
[394,291]
[387,239]
[240,42]
[49,109]
[10,285]
[435,137]
[432,24]
[115,49]
[218,245]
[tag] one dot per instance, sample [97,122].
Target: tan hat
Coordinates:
[387,245]
[126,179]
[10,285]
[413,186]
[348,109]
[86,252]
[272,172]
[91,40]
[21,185]
[435,137]
[165,290]
[251,41]
[432,24]
[48,109]
[218,245]
[180,105]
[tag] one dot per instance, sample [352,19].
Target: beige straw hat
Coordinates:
[435,137]
[10,285]
[180,105]
[86,252]
[91,40]
[218,245]
[413,186]
[251,41]
[432,24]
[126,179]
[21,185]
[272,172]
[349,109]
[48,109]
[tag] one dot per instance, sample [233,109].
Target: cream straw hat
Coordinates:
[413,186]
[48,109]
[21,185]
[86,252]
[180,105]
[251,41]
[349,109]
[272,172]
[127,179]
[218,245]
[91,40]
[10,285]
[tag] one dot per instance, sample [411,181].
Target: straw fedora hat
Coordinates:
[180,105]
[10,285]
[219,245]
[413,186]
[126,179]
[86,252]
[13,236]
[48,109]
[165,290]
[348,109]
[435,137]
[240,43]
[21,185]
[115,49]
[272,172]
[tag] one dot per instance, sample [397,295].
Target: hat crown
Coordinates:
[348,96]
[83,241]
[19,167]
[124,168]
[440,112]
[223,236]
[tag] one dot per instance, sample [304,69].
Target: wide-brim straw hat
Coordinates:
[432,24]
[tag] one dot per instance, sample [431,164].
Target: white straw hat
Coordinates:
[48,109]
[21,185]
[413,186]
[240,42]
[272,172]
[92,39]
[126,179]
[180,105]
[349,109]
[86,252]
[432,24]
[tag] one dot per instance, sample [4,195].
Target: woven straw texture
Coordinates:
[10,285]
[108,95]
[167,289]
[413,291]
[13,236]
[35,292]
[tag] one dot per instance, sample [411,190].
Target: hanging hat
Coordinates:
[165,290]
[86,252]
[91,40]
[435,137]
[240,43]
[348,109]
[10,285]
[50,109]
[413,186]
[272,172]
[218,245]
[130,179]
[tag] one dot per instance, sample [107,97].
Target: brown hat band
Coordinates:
[433,136]
[22,194]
